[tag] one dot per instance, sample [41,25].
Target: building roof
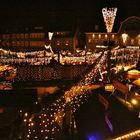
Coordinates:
[131,26]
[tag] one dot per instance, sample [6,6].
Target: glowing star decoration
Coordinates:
[109,17]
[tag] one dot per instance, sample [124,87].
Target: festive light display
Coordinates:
[35,54]
[88,79]
[47,124]
[50,34]
[109,17]
[44,125]
[44,57]
[129,135]
[131,56]
[7,75]
[124,37]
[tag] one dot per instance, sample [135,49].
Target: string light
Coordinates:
[44,57]
[109,17]
[128,136]
[49,120]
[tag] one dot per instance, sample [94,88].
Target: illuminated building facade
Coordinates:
[34,39]
[130,26]
[64,40]
[99,40]
[23,40]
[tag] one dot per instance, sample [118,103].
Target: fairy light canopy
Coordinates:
[109,15]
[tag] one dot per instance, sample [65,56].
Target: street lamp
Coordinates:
[48,46]
[124,38]
[109,15]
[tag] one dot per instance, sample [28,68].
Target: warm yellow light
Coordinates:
[50,34]
[119,67]
[137,82]
[93,35]
[109,87]
[126,68]
[134,101]
[134,72]
[32,124]
[128,136]
[47,47]
[109,15]
[26,114]
[68,99]
[25,120]
[30,119]
[113,36]
[124,37]
[139,115]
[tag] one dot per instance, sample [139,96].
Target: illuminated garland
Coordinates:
[94,72]
[109,17]
[128,136]
[48,123]
[45,124]
[44,57]
[24,54]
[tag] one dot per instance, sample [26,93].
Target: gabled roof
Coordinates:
[131,26]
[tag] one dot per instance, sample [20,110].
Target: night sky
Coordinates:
[58,13]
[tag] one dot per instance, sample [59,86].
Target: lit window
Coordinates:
[89,41]
[93,35]
[99,36]
[105,35]
[113,36]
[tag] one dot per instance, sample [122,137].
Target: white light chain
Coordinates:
[109,17]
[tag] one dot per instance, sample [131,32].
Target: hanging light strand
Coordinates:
[109,17]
